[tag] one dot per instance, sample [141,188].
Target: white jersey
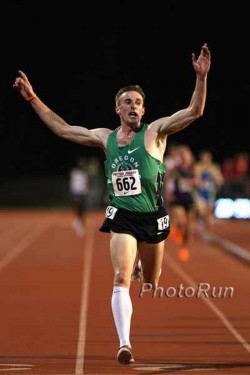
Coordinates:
[78,181]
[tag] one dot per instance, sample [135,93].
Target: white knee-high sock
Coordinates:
[122,312]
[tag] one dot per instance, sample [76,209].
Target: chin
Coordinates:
[135,123]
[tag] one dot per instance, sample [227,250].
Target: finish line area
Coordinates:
[56,319]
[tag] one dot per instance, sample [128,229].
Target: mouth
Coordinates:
[133,115]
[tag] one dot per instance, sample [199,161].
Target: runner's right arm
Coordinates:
[77,134]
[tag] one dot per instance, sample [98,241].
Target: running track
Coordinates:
[55,291]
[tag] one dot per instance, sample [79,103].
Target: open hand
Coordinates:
[202,64]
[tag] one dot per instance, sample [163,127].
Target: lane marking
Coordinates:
[23,244]
[15,369]
[183,275]
[179,367]
[15,366]
[227,245]
[87,263]
[157,367]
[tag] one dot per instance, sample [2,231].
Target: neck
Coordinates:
[126,134]
[131,128]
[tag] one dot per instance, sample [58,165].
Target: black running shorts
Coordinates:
[150,227]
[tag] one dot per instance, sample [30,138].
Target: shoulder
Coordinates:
[102,133]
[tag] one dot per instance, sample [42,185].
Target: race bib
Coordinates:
[126,182]
[110,212]
[163,222]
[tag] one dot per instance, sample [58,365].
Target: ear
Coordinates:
[117,110]
[143,111]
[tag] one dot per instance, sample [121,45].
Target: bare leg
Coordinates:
[182,221]
[151,259]
[123,248]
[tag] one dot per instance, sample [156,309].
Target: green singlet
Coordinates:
[134,177]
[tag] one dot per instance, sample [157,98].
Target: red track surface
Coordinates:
[236,231]
[55,291]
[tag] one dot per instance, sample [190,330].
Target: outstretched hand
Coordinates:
[23,85]
[202,64]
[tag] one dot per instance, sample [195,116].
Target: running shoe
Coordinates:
[183,254]
[137,274]
[124,355]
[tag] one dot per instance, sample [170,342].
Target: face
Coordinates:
[206,157]
[186,155]
[130,108]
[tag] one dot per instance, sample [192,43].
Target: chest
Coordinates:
[125,139]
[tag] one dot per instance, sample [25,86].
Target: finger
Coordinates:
[205,49]
[206,52]
[17,81]
[17,85]
[23,75]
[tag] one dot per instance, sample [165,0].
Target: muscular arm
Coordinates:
[179,120]
[77,134]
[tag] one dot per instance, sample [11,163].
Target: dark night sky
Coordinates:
[78,54]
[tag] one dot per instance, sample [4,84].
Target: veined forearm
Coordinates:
[198,99]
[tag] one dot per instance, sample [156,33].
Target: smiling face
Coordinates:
[130,108]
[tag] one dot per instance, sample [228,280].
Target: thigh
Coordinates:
[123,249]
[180,216]
[151,256]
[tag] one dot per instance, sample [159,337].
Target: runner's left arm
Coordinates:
[179,120]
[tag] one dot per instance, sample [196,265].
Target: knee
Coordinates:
[153,280]
[122,279]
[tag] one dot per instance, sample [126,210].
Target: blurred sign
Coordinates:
[226,208]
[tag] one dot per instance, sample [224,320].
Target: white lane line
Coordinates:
[15,367]
[16,364]
[87,261]
[23,244]
[163,367]
[182,274]
[167,368]
[157,367]
[227,245]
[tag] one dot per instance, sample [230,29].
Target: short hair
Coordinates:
[129,88]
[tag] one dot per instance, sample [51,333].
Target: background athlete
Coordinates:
[134,172]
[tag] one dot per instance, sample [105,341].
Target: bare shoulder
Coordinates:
[102,134]
[155,126]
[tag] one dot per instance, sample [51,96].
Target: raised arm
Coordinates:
[179,120]
[77,134]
